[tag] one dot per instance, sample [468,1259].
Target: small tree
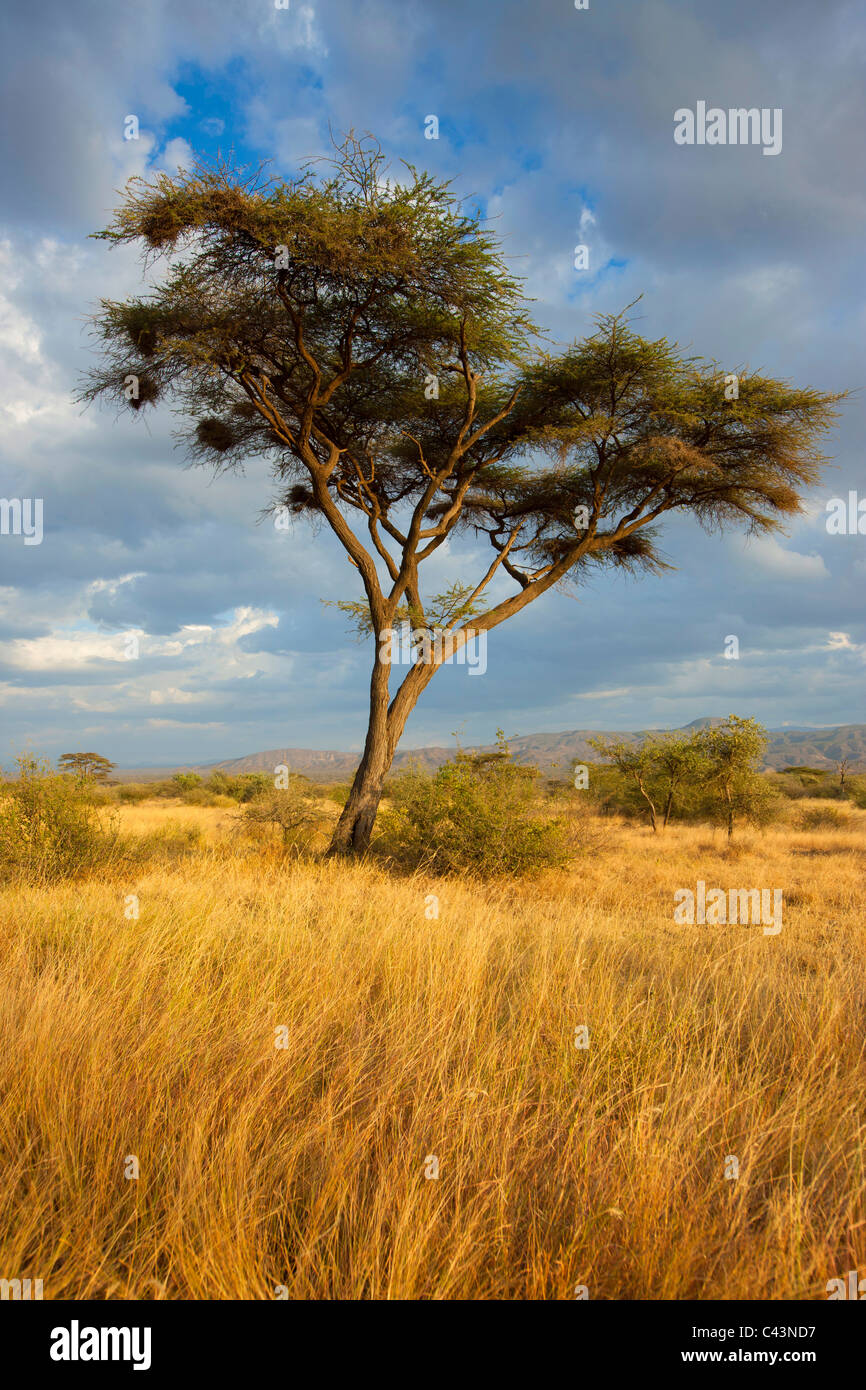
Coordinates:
[291,808]
[367,338]
[731,754]
[91,765]
[636,762]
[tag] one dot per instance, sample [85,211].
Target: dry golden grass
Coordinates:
[149,816]
[454,1037]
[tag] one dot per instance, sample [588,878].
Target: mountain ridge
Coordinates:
[551,752]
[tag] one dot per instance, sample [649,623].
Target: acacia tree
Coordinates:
[637,761]
[86,765]
[678,759]
[366,337]
[731,753]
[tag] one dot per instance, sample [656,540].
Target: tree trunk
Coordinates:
[648,799]
[354,829]
[355,826]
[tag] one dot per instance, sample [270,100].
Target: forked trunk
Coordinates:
[354,829]
[355,826]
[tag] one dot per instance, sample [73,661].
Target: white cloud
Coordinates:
[602,694]
[841,642]
[177,154]
[173,696]
[769,555]
[88,650]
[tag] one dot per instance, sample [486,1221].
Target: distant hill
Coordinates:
[553,753]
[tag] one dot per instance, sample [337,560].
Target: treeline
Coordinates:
[218,789]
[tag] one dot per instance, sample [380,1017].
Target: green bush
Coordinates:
[131,793]
[220,789]
[798,783]
[50,827]
[185,782]
[476,814]
[204,796]
[248,785]
[163,790]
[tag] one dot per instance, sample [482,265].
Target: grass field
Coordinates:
[410,1036]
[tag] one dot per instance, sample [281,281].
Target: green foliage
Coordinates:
[654,775]
[205,796]
[731,754]
[242,787]
[50,826]
[219,789]
[857,791]
[636,764]
[711,774]
[132,793]
[185,781]
[799,783]
[440,610]
[337,792]
[476,814]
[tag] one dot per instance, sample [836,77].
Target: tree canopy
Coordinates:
[91,765]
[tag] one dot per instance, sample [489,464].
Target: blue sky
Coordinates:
[559,123]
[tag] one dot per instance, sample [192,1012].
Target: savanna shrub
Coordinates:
[185,782]
[131,793]
[244,787]
[824,818]
[476,814]
[204,796]
[293,810]
[50,827]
